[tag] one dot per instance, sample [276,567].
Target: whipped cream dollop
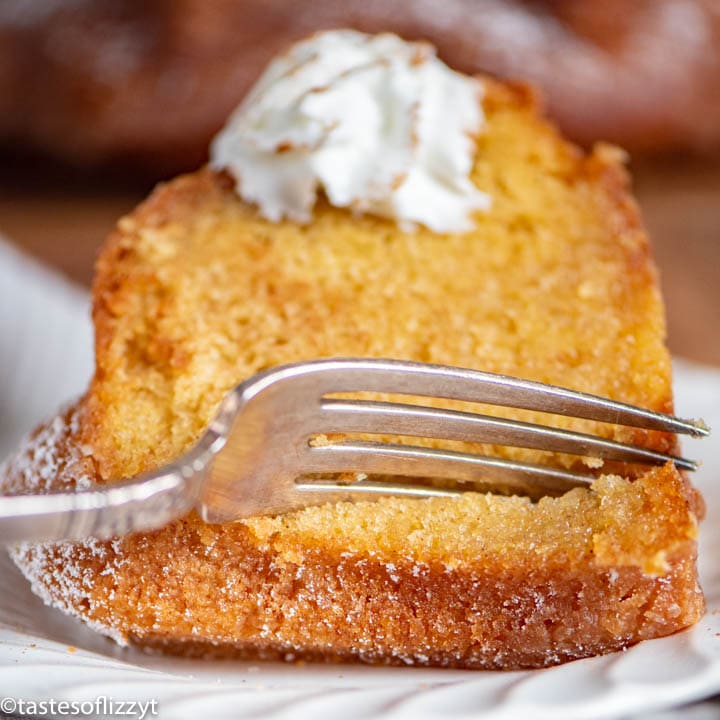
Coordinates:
[381,125]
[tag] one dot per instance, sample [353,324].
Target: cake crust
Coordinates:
[194,292]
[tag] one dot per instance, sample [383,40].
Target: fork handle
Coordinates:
[145,503]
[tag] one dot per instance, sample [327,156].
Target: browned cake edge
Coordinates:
[188,591]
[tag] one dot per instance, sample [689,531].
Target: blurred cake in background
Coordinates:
[146,83]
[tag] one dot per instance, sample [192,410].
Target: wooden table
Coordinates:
[63,219]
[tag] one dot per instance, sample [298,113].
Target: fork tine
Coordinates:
[376,487]
[387,459]
[411,378]
[371,417]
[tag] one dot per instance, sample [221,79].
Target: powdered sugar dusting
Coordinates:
[47,462]
[60,577]
[59,572]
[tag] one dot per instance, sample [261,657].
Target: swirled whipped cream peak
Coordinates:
[378,124]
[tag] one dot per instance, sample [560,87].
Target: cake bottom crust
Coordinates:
[245,602]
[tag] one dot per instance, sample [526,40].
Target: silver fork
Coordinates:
[256,456]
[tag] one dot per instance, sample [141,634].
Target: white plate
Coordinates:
[44,654]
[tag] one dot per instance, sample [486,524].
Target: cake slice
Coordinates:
[196,290]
